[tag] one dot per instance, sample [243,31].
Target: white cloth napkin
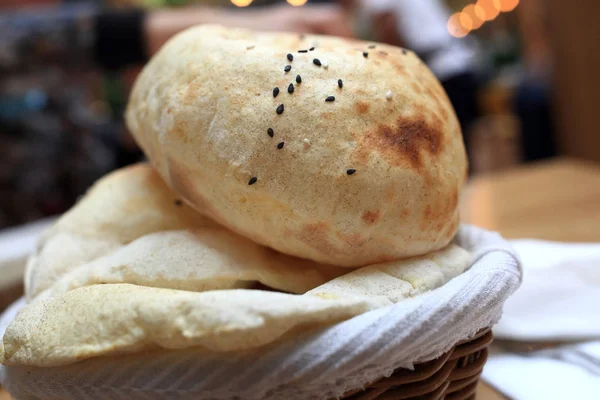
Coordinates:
[318,365]
[559,300]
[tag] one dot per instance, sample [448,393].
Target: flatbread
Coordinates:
[110,319]
[206,258]
[132,228]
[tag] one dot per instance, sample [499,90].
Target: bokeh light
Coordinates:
[475,20]
[455,26]
[297,3]
[491,8]
[241,3]
[480,13]
[508,5]
[465,21]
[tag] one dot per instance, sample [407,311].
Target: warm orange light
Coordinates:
[297,3]
[508,5]
[455,26]
[241,3]
[465,21]
[479,12]
[471,12]
[491,8]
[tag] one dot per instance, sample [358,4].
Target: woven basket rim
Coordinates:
[453,375]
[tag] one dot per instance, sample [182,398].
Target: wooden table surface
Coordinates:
[556,200]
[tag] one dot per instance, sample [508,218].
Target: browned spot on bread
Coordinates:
[179,129]
[435,96]
[362,107]
[444,113]
[405,212]
[316,235]
[402,143]
[352,240]
[398,67]
[192,92]
[439,214]
[428,218]
[427,212]
[371,217]
[442,102]
[416,87]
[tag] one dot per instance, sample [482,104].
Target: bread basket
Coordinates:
[433,346]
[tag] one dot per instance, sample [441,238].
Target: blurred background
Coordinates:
[521,75]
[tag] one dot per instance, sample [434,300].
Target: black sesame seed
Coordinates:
[404,51]
[340,83]
[280,145]
[312,48]
[280,109]
[252,180]
[365,54]
[330,98]
[298,79]
[317,62]
[275,92]
[291,88]
[290,57]
[350,171]
[178,203]
[302,51]
[372,46]
[270,132]
[287,68]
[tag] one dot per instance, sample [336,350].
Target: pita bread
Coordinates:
[131,228]
[118,209]
[123,318]
[202,107]
[198,260]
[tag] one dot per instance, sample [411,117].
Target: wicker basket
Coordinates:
[452,376]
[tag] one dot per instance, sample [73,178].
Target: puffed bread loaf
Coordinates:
[362,163]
